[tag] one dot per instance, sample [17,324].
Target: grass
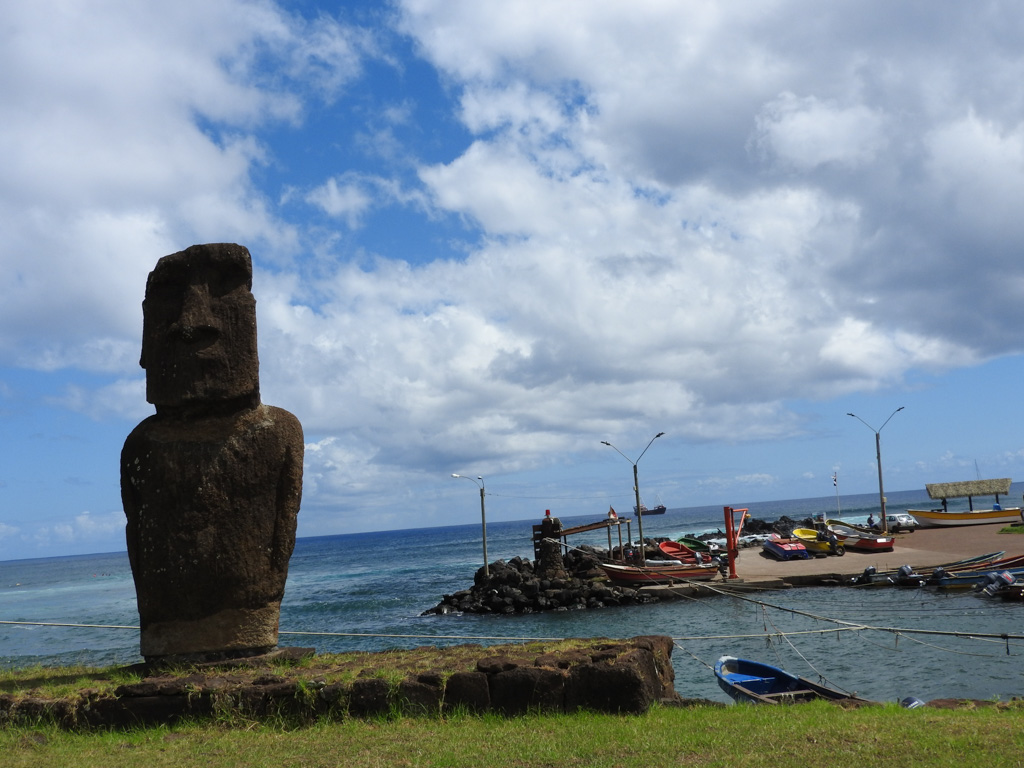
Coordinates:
[816,734]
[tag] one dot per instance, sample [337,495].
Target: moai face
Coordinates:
[199,327]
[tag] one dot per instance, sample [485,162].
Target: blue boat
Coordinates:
[785,549]
[757,683]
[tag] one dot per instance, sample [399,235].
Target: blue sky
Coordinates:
[488,236]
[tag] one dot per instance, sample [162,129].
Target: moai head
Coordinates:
[199,328]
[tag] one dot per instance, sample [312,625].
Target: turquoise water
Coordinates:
[367,591]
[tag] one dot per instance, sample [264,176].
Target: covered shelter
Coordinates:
[968,489]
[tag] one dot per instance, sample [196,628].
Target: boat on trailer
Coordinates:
[968,489]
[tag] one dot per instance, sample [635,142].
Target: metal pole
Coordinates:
[878,460]
[483,517]
[636,490]
[639,517]
[881,490]
[483,528]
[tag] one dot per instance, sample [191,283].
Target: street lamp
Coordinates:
[878,459]
[483,516]
[636,490]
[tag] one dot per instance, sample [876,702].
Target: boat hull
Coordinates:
[827,545]
[852,538]
[661,509]
[698,546]
[785,549]
[667,573]
[971,579]
[756,683]
[937,518]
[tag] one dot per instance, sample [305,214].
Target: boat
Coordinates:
[1012,593]
[973,579]
[661,509]
[853,538]
[968,489]
[935,518]
[662,573]
[906,576]
[785,549]
[683,553]
[758,683]
[968,576]
[698,545]
[819,542]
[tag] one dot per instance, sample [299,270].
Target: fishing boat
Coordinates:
[785,549]
[1011,593]
[683,553]
[819,542]
[854,538]
[968,489]
[973,579]
[698,545]
[662,573]
[906,576]
[758,683]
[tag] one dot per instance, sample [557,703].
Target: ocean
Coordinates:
[367,592]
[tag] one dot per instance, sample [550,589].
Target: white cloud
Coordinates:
[653,212]
[342,199]
[8,531]
[804,133]
[81,531]
[138,139]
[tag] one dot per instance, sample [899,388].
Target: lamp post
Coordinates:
[483,516]
[878,459]
[636,490]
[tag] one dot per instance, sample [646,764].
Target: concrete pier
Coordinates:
[924,548]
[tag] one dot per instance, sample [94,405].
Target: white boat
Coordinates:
[968,489]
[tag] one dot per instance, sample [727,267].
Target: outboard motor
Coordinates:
[906,577]
[911,702]
[938,573]
[867,577]
[998,581]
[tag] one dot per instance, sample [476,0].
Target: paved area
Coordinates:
[924,547]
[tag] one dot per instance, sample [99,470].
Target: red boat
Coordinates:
[851,538]
[663,573]
[683,553]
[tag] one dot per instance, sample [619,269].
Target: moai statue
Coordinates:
[211,483]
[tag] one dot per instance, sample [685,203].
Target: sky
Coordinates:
[488,236]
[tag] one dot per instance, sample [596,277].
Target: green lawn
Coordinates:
[816,734]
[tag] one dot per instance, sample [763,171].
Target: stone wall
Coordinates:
[623,676]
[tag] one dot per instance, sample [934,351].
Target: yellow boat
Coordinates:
[968,489]
[824,542]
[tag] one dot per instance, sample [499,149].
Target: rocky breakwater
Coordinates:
[520,586]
